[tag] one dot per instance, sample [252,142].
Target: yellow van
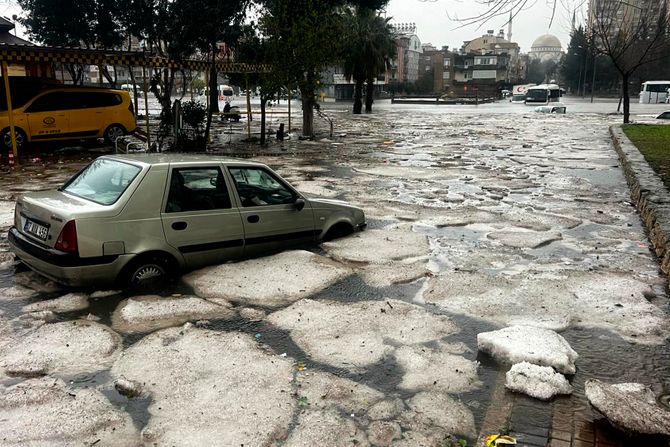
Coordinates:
[68,113]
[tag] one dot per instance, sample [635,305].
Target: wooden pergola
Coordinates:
[31,54]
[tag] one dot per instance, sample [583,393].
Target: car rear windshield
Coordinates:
[103,181]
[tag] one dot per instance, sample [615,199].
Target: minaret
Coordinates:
[509,28]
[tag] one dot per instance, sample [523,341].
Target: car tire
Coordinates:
[147,272]
[113,132]
[6,139]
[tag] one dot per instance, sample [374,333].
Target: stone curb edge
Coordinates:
[649,194]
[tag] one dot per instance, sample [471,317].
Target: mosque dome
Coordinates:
[547,41]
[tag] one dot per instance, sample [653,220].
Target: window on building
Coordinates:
[447,62]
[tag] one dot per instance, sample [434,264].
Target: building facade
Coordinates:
[440,64]
[405,66]
[614,16]
[487,62]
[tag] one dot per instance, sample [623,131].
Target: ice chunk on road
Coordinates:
[151,312]
[326,428]
[379,246]
[535,345]
[429,409]
[540,382]
[270,281]
[71,347]
[209,388]
[356,335]
[16,293]
[326,391]
[47,412]
[435,370]
[385,275]
[525,238]
[37,282]
[66,303]
[613,301]
[631,407]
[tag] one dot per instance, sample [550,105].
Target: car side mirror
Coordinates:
[299,203]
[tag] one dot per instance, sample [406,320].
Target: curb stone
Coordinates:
[648,193]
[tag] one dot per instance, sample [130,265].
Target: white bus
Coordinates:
[543,94]
[654,92]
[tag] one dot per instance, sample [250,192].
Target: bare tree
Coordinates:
[631,34]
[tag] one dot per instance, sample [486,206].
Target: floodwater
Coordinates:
[526,219]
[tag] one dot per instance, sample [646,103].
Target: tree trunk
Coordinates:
[358,95]
[263,103]
[213,85]
[307,111]
[213,97]
[626,99]
[135,95]
[108,76]
[369,95]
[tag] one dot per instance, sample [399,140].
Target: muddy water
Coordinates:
[428,168]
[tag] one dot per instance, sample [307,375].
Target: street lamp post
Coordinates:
[593,80]
[579,79]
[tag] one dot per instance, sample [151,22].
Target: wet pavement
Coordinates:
[479,218]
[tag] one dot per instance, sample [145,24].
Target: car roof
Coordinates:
[166,159]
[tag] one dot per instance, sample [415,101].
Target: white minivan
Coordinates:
[654,92]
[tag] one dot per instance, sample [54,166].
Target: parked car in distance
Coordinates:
[664,116]
[136,219]
[68,113]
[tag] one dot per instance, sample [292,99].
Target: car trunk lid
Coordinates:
[41,216]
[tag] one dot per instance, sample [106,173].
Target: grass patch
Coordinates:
[653,141]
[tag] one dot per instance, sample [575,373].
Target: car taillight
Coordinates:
[67,239]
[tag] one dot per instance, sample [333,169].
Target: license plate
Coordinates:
[36,229]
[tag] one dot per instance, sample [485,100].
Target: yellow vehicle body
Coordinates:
[71,113]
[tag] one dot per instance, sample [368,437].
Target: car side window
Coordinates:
[258,187]
[49,103]
[197,189]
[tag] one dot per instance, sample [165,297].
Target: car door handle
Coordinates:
[254,218]
[178,226]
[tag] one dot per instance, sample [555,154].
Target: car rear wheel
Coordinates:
[113,132]
[147,272]
[6,139]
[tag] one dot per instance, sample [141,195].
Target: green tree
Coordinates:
[306,37]
[368,48]
[639,39]
[74,23]
[201,25]
[253,48]
[573,63]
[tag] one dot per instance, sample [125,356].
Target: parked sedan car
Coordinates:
[136,219]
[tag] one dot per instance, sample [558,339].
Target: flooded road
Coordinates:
[479,218]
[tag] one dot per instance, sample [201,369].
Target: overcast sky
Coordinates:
[436,24]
